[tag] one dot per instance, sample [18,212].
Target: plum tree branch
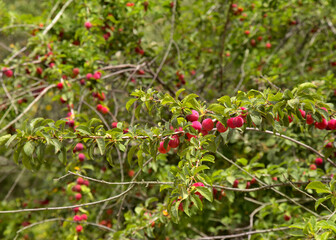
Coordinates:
[295,141]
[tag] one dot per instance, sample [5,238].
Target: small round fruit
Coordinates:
[162,149]
[60,86]
[287,217]
[175,142]
[78,196]
[193,116]
[235,183]
[332,124]
[79,228]
[88,25]
[313,167]
[207,124]
[81,157]
[321,125]
[318,161]
[220,127]
[197,125]
[309,120]
[80,181]
[131,173]
[238,121]
[79,147]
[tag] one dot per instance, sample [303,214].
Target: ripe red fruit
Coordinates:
[60,86]
[125,130]
[234,5]
[99,107]
[88,25]
[248,184]
[141,72]
[80,181]
[104,110]
[78,196]
[290,119]
[253,181]
[312,167]
[207,124]
[329,145]
[253,42]
[227,54]
[86,183]
[97,75]
[174,143]
[332,124]
[303,113]
[83,217]
[79,228]
[238,121]
[309,120]
[162,149]
[287,217]
[101,96]
[8,73]
[321,125]
[268,45]
[76,209]
[260,38]
[77,218]
[193,116]
[129,4]
[81,157]
[247,32]
[235,183]
[131,173]
[75,72]
[189,136]
[275,178]
[197,125]
[220,127]
[82,82]
[318,161]
[79,147]
[89,76]
[114,124]
[39,71]
[51,65]
[230,123]
[71,123]
[76,188]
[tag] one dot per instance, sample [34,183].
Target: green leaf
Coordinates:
[294,103]
[305,86]
[28,148]
[225,100]
[205,192]
[57,144]
[198,203]
[177,94]
[83,129]
[4,138]
[10,140]
[321,200]
[163,187]
[318,187]
[200,168]
[130,154]
[130,103]
[208,158]
[101,145]
[243,161]
[189,98]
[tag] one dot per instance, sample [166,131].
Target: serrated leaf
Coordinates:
[4,139]
[205,192]
[101,145]
[10,140]
[319,187]
[177,94]
[83,129]
[198,203]
[200,168]
[28,148]
[208,158]
[130,154]
[130,103]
